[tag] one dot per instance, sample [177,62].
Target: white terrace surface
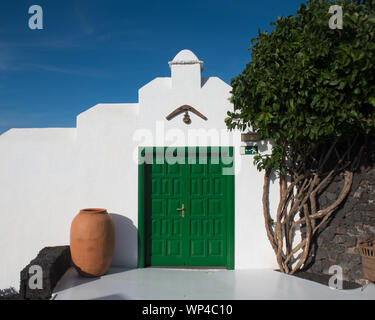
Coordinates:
[177,284]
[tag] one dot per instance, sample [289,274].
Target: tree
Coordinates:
[311,90]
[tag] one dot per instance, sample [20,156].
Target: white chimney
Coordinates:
[186,71]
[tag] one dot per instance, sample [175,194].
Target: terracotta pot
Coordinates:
[92,241]
[367,251]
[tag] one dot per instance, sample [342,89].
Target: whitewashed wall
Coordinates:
[47,175]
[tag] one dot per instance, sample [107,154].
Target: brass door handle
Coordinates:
[182,209]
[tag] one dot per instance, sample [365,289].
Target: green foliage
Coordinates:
[271,222]
[307,83]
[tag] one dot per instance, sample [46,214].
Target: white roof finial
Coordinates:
[186,57]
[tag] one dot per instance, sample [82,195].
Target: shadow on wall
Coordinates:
[126,242]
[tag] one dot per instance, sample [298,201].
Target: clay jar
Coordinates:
[92,241]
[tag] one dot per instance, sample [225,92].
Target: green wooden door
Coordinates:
[202,233]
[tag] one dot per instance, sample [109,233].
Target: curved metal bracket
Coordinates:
[185,108]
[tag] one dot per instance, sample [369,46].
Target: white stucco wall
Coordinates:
[47,175]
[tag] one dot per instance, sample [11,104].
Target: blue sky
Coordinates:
[93,51]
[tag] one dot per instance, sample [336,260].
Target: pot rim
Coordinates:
[369,243]
[94,210]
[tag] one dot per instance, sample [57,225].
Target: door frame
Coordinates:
[141,205]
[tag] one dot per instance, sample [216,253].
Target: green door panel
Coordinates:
[203,236]
[207,210]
